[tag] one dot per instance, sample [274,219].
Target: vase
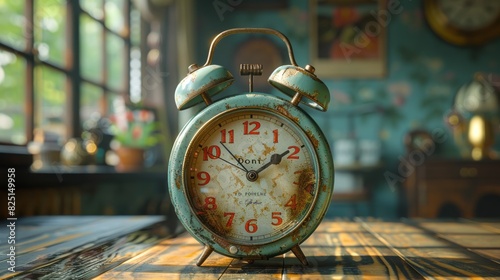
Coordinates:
[130,159]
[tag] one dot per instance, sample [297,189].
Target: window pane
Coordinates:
[93,7]
[135,27]
[12,22]
[116,61]
[49,30]
[114,15]
[12,99]
[90,101]
[91,48]
[114,103]
[50,101]
[135,74]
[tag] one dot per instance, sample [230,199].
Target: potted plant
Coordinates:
[135,130]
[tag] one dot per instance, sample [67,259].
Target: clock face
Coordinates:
[251,176]
[470,15]
[464,22]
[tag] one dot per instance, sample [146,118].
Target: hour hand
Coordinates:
[275,159]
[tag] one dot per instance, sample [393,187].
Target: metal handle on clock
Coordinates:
[270,31]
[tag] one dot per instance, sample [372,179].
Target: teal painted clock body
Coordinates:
[221,146]
[251,176]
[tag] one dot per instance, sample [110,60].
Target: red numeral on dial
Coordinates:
[277,217]
[212,152]
[231,217]
[251,226]
[275,136]
[294,155]
[224,136]
[210,203]
[292,202]
[251,131]
[203,177]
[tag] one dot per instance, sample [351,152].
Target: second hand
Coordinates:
[244,168]
[228,162]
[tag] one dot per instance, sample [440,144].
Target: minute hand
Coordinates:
[243,167]
[275,159]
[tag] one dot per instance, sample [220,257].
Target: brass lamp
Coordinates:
[479,102]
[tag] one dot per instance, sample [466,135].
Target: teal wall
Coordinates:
[423,74]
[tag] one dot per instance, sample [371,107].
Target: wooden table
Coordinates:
[125,247]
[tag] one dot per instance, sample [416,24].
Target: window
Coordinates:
[61,61]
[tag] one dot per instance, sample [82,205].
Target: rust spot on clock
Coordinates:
[284,111]
[296,235]
[305,191]
[313,138]
[215,223]
[250,150]
[268,150]
[178,182]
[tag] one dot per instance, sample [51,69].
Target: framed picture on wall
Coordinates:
[348,38]
[264,5]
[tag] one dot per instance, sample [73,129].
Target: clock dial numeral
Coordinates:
[277,220]
[297,172]
[212,152]
[251,226]
[292,202]
[294,153]
[203,177]
[275,136]
[210,203]
[224,134]
[251,128]
[231,218]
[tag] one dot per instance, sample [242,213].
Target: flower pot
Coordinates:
[131,159]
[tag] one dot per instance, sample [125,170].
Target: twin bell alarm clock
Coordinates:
[251,176]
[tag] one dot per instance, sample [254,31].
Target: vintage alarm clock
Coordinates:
[251,175]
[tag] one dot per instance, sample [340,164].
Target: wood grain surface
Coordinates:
[142,248]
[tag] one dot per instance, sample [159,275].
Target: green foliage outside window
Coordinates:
[50,21]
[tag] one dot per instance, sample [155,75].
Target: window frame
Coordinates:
[72,68]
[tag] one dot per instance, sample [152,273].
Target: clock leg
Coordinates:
[300,255]
[204,255]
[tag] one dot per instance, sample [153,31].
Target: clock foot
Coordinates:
[300,255]
[204,255]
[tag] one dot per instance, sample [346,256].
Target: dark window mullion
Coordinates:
[94,82]
[99,84]
[55,67]
[104,64]
[14,50]
[104,26]
[72,124]
[30,69]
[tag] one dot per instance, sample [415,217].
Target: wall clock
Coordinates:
[251,175]
[464,22]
